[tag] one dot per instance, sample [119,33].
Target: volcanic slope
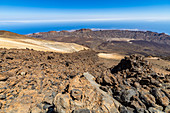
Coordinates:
[114,41]
[13,40]
[49,82]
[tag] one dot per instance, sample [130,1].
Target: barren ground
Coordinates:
[21,42]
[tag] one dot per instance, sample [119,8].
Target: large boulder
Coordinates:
[83,95]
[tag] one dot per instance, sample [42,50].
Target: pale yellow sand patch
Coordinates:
[41,45]
[111,56]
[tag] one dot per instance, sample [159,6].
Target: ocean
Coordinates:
[33,27]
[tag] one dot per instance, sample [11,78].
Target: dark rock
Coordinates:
[154,110]
[104,88]
[47,106]
[127,95]
[76,94]
[51,109]
[140,110]
[166,93]
[10,58]
[161,98]
[137,104]
[50,57]
[147,98]
[158,107]
[107,81]
[3,78]
[2,96]
[81,111]
[0,105]
[123,109]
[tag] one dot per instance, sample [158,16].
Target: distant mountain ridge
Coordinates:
[119,41]
[161,38]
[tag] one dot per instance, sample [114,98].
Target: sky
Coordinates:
[83,10]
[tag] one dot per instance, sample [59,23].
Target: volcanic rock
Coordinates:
[82,93]
[3,77]
[31,81]
[49,82]
[161,98]
[82,111]
[137,86]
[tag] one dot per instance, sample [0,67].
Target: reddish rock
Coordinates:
[52,31]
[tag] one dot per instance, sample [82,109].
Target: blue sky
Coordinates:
[83,10]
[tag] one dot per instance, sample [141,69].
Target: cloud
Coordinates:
[151,19]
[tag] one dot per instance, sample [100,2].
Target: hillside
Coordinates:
[114,41]
[80,82]
[13,40]
[42,76]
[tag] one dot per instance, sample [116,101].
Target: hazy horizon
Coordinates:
[75,10]
[26,28]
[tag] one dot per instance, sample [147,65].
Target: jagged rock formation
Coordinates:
[137,87]
[84,95]
[47,82]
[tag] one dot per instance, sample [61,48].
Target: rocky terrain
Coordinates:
[134,84]
[114,41]
[80,82]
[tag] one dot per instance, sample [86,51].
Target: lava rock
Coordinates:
[154,110]
[81,111]
[2,96]
[76,94]
[127,95]
[161,98]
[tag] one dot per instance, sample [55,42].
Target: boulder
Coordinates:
[161,98]
[154,110]
[84,95]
